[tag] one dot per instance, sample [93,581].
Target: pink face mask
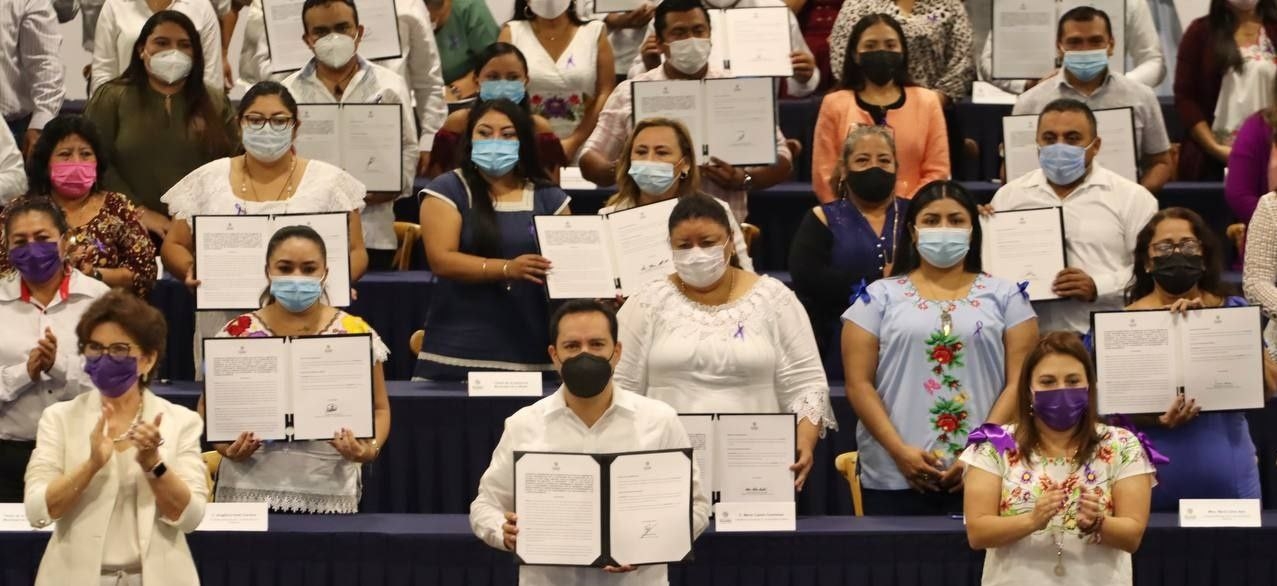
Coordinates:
[73,179]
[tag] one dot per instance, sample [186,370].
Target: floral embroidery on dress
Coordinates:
[551,108]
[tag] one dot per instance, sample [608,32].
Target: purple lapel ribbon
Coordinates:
[979,327]
[1024,289]
[240,210]
[1154,456]
[862,293]
[740,331]
[994,434]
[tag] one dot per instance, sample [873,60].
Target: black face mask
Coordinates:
[1177,273]
[880,67]
[586,375]
[873,185]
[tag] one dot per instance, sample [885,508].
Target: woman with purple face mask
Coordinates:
[40,304]
[118,462]
[1058,498]
[105,239]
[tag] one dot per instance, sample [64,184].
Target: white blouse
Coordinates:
[120,23]
[122,551]
[559,90]
[756,354]
[208,191]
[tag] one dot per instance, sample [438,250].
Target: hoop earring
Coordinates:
[683,175]
[527,12]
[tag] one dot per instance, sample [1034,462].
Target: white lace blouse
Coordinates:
[753,355]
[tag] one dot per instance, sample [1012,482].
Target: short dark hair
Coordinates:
[852,78]
[1083,14]
[667,6]
[267,88]
[583,306]
[907,257]
[701,206]
[34,204]
[1072,105]
[317,3]
[55,132]
[142,322]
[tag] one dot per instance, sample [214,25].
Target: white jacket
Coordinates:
[74,554]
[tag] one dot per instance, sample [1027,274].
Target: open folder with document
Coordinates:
[745,461]
[596,257]
[1144,358]
[600,510]
[730,119]
[1025,247]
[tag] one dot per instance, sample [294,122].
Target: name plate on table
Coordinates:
[13,519]
[759,516]
[248,517]
[1219,513]
[504,384]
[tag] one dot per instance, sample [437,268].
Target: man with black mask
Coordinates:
[588,414]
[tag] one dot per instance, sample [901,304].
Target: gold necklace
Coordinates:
[249,181]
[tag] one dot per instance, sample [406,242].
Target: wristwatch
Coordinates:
[748,183]
[158,470]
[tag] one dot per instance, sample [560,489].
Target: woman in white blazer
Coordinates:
[120,469]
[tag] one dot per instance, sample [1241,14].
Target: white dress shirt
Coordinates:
[21,400]
[1143,51]
[13,176]
[1102,217]
[121,22]
[371,84]
[30,66]
[631,423]
[797,44]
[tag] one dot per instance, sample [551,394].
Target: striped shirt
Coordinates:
[31,84]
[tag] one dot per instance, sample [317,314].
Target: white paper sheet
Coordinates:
[639,239]
[580,256]
[679,99]
[558,500]
[245,383]
[230,260]
[1222,354]
[240,517]
[504,384]
[1136,366]
[651,503]
[331,386]
[319,123]
[1025,245]
[756,452]
[368,144]
[758,42]
[740,120]
[1117,153]
[700,430]
[284,32]
[1023,38]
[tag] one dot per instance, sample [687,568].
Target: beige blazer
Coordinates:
[74,554]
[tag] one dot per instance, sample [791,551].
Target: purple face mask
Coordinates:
[112,377]
[37,262]
[1061,409]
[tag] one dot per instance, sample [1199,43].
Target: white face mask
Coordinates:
[170,66]
[335,50]
[701,267]
[689,55]
[548,9]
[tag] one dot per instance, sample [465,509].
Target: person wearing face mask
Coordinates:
[683,30]
[876,91]
[1178,267]
[321,477]
[502,72]
[1058,498]
[1103,213]
[1224,67]
[1085,44]
[118,462]
[570,66]
[40,303]
[105,240]
[269,178]
[338,75]
[122,22]
[592,412]
[489,308]
[713,338]
[157,123]
[660,163]
[848,241]
[931,353]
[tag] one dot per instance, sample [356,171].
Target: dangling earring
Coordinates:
[683,175]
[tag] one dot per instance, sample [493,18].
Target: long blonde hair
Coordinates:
[628,192]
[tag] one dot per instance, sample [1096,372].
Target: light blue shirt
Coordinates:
[936,386]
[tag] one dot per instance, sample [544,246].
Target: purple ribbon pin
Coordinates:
[571,61]
[979,327]
[240,210]
[861,293]
[994,434]
[1024,289]
[740,331]
[1154,456]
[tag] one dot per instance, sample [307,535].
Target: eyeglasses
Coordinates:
[276,122]
[1165,247]
[119,351]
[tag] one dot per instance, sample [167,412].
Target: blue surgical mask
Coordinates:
[1086,65]
[296,294]
[943,247]
[495,157]
[267,144]
[1063,163]
[652,177]
[496,89]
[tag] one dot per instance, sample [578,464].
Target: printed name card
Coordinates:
[13,519]
[1219,513]
[504,384]
[755,516]
[250,517]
